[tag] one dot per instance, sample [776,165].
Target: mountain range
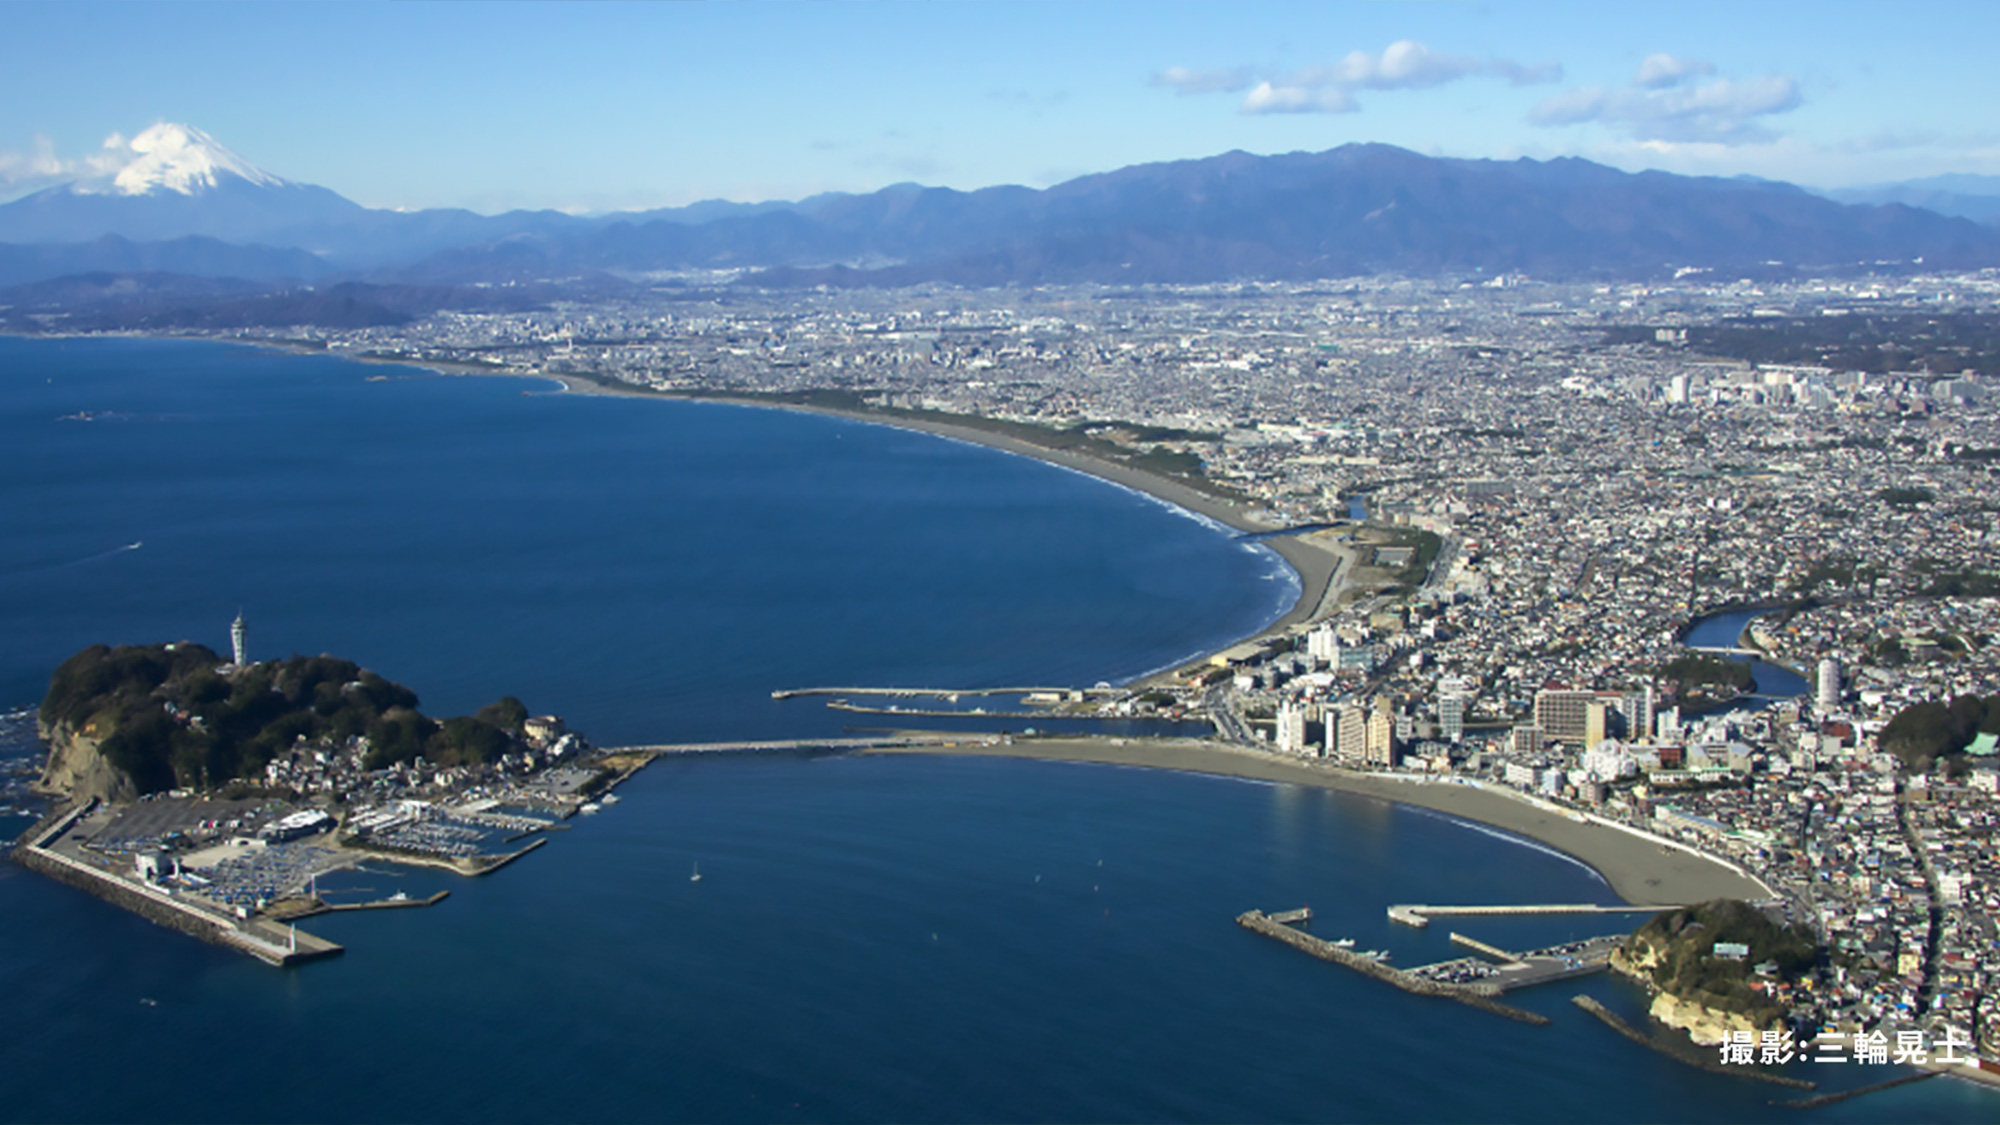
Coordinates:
[188,207]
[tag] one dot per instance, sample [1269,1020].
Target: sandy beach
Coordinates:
[1640,870]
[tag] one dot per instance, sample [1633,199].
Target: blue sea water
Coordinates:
[899,938]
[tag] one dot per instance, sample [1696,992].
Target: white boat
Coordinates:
[696,877]
[608,799]
[589,807]
[1345,943]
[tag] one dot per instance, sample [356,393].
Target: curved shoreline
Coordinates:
[1640,869]
[1321,571]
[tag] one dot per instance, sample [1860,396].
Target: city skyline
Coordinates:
[599,108]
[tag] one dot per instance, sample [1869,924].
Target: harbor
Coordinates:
[1341,953]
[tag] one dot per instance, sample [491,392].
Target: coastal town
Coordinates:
[1519,510]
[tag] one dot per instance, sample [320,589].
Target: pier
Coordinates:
[1259,922]
[1419,916]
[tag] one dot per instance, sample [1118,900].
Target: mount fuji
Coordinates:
[179,183]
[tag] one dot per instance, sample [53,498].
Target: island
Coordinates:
[212,795]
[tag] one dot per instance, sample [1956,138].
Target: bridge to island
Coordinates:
[783,745]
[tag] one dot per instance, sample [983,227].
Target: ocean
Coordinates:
[894,938]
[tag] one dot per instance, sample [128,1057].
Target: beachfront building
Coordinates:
[1564,715]
[1347,733]
[1380,747]
[1291,733]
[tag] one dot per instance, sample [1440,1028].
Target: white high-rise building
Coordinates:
[1323,645]
[1291,728]
[239,635]
[1639,706]
[1454,692]
[1667,726]
[1829,686]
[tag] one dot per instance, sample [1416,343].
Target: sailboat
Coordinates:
[696,877]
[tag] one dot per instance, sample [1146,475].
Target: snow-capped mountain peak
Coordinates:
[182,159]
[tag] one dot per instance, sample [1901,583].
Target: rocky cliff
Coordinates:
[1705,1025]
[77,767]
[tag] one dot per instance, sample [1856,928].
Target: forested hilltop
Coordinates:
[1724,959]
[170,716]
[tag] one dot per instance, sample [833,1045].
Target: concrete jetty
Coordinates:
[1477,946]
[291,910]
[1420,915]
[1259,922]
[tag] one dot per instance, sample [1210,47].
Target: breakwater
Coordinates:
[293,948]
[1842,1095]
[310,907]
[1617,1023]
[1259,922]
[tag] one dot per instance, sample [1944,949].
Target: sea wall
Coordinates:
[113,892]
[174,916]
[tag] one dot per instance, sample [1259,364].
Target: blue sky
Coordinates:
[589,107]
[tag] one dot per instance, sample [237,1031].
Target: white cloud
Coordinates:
[1185,81]
[1404,65]
[40,167]
[1329,88]
[1266,98]
[1660,71]
[1664,104]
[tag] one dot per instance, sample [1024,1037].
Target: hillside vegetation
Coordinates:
[1924,732]
[1676,950]
[170,716]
